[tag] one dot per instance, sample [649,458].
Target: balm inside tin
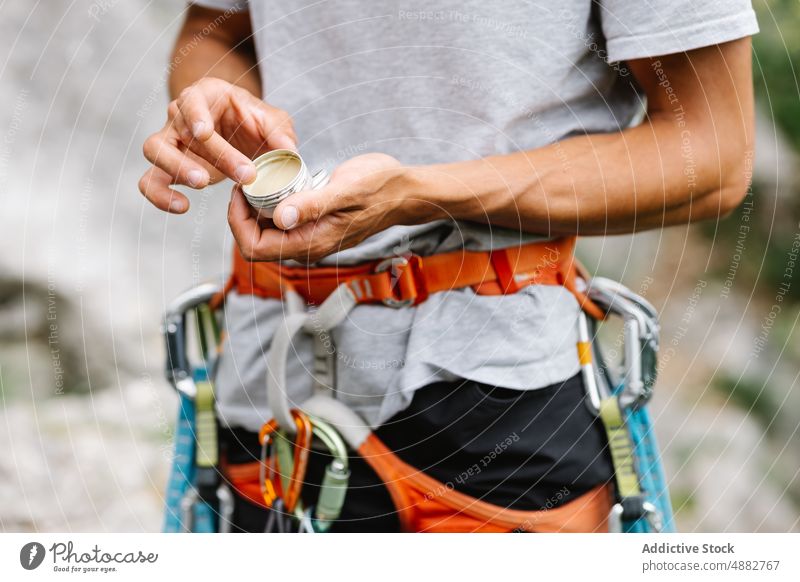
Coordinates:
[279,174]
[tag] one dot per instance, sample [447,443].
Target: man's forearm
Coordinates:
[210,44]
[641,178]
[688,161]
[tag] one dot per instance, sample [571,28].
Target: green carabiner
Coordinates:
[333,488]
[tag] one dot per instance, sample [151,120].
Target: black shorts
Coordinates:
[524,450]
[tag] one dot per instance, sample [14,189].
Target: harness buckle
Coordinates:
[405,273]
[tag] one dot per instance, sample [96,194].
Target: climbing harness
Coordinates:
[317,300]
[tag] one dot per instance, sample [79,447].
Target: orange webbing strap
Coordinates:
[411,280]
[587,305]
[427,505]
[244,478]
[219,298]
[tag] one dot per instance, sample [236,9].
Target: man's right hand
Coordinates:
[213,130]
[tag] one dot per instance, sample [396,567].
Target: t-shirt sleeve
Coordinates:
[647,28]
[223,5]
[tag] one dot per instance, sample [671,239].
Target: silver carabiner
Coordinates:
[188,501]
[590,380]
[178,369]
[307,522]
[640,336]
[226,503]
[192,498]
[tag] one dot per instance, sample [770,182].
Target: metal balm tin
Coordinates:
[279,174]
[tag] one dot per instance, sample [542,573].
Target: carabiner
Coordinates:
[333,488]
[307,522]
[640,336]
[302,448]
[226,506]
[178,369]
[267,469]
[291,464]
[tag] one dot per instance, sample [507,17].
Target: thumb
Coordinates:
[303,207]
[282,141]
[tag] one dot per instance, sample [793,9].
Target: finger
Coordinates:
[195,116]
[263,220]
[263,244]
[275,126]
[282,141]
[244,225]
[163,153]
[154,184]
[306,206]
[179,126]
[196,113]
[225,158]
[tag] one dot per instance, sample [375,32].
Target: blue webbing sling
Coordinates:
[651,471]
[182,473]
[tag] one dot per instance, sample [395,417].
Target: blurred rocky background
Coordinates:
[87,267]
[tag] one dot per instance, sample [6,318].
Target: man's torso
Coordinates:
[427,85]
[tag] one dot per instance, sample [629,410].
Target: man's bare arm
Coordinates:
[214,44]
[688,161]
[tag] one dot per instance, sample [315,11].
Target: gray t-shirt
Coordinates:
[431,82]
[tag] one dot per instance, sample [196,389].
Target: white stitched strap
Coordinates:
[320,324]
[333,310]
[277,397]
[293,302]
[324,366]
[331,313]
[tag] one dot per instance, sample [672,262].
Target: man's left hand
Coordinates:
[365,195]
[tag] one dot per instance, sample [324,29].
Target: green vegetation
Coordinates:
[683,500]
[752,244]
[775,66]
[751,397]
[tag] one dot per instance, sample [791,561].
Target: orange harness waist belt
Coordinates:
[404,281]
